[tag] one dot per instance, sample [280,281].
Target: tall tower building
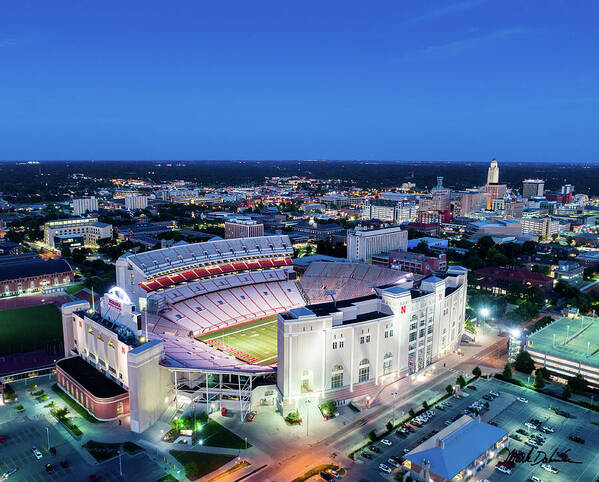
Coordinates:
[493,175]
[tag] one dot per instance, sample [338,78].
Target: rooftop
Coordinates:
[26,268]
[457,446]
[90,378]
[574,339]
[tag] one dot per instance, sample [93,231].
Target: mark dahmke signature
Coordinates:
[518,457]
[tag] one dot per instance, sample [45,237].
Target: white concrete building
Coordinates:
[542,227]
[82,206]
[342,351]
[363,243]
[134,203]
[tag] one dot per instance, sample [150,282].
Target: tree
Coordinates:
[544,372]
[578,383]
[539,380]
[566,392]
[507,371]
[449,389]
[412,413]
[477,372]
[372,436]
[389,426]
[425,405]
[524,362]
[461,381]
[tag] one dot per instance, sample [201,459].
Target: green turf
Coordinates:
[28,329]
[197,464]
[254,342]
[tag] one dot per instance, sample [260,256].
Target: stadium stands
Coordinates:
[208,305]
[347,280]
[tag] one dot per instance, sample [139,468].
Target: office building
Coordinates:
[84,206]
[135,203]
[89,228]
[542,227]
[533,188]
[493,173]
[391,211]
[570,272]
[416,262]
[363,243]
[243,228]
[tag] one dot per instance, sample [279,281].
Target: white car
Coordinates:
[522,399]
[503,468]
[393,463]
[8,473]
[530,425]
[385,468]
[386,442]
[494,394]
[36,452]
[548,429]
[405,451]
[549,468]
[532,443]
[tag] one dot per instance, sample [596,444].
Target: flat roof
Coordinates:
[90,378]
[579,342]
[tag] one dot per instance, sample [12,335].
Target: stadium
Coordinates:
[205,322]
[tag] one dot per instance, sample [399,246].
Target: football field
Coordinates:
[254,342]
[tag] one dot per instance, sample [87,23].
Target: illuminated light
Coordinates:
[516,332]
[485,312]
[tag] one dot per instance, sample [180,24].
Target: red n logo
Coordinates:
[123,350]
[403,310]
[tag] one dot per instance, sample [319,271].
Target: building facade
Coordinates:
[392,211]
[89,228]
[533,188]
[30,275]
[135,203]
[339,351]
[542,227]
[85,205]
[363,243]
[243,228]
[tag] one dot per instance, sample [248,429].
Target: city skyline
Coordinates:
[466,81]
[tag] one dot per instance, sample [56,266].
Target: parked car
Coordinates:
[532,443]
[251,416]
[49,468]
[385,468]
[326,476]
[530,425]
[521,431]
[366,455]
[375,449]
[576,438]
[488,397]
[405,451]
[522,399]
[38,455]
[471,387]
[549,468]
[386,442]
[393,462]
[494,394]
[8,473]
[504,469]
[515,436]
[547,429]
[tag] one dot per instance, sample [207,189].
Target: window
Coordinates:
[429,330]
[341,344]
[334,345]
[413,326]
[412,336]
[367,338]
[361,340]
[337,376]
[386,333]
[364,371]
[387,363]
[391,332]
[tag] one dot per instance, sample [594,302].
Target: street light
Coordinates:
[48,434]
[394,394]
[308,403]
[484,312]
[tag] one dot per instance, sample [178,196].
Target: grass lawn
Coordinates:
[167,478]
[254,342]
[197,464]
[214,434]
[102,451]
[28,329]
[73,290]
[74,405]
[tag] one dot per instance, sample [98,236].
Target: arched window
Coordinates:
[364,371]
[387,363]
[337,376]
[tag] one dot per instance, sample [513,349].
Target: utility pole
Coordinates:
[120,464]
[48,435]
[308,402]
[394,394]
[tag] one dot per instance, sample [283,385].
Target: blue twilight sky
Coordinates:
[283,79]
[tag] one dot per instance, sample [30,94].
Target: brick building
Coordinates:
[30,274]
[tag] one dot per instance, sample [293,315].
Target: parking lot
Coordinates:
[508,413]
[23,431]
